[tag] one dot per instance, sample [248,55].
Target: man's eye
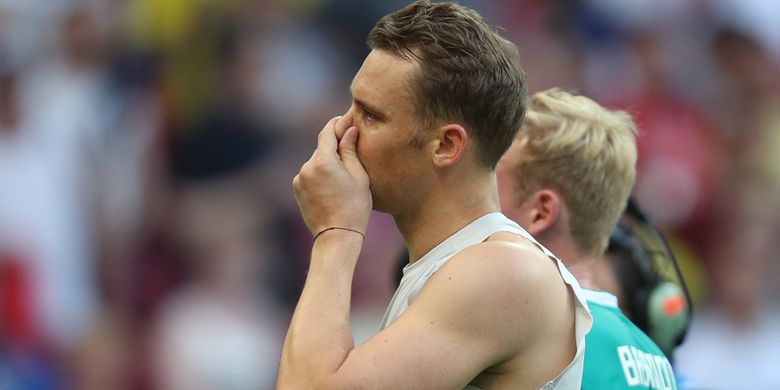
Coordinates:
[369,117]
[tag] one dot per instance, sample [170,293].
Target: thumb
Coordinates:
[348,151]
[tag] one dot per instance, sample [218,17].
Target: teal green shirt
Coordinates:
[618,355]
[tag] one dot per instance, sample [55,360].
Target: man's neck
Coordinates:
[585,272]
[583,267]
[444,213]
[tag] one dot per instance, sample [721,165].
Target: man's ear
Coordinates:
[449,144]
[544,211]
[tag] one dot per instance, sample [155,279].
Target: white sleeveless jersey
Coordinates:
[418,273]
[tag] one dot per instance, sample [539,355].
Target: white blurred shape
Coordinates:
[204,343]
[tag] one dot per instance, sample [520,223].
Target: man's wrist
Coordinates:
[328,229]
[339,240]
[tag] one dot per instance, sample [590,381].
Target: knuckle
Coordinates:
[320,165]
[303,177]
[305,167]
[306,172]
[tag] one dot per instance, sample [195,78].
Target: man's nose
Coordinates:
[345,122]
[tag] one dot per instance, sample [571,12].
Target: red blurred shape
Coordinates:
[16,323]
[674,306]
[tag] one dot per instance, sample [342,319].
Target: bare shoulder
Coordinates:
[510,261]
[505,281]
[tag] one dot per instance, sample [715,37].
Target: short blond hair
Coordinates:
[584,152]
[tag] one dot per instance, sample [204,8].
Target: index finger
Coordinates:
[326,139]
[342,125]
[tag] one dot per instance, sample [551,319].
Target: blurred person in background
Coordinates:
[679,157]
[220,328]
[432,168]
[566,179]
[48,184]
[61,129]
[742,311]
[218,325]
[24,351]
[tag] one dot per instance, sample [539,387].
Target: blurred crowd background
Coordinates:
[149,237]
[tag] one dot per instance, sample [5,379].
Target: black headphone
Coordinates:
[654,291]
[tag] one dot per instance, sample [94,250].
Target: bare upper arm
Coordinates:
[472,314]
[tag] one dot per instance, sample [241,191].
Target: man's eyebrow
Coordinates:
[367,107]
